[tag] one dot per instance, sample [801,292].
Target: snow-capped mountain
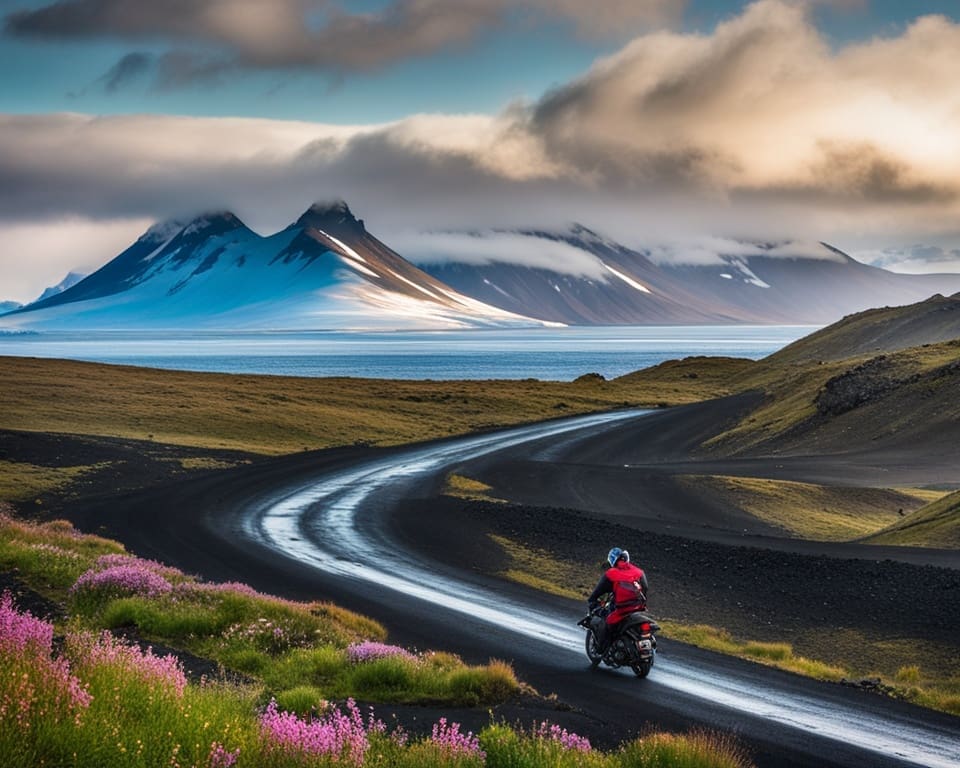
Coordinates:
[69,281]
[325,271]
[753,283]
[9,306]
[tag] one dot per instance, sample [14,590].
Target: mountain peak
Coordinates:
[333,215]
[217,221]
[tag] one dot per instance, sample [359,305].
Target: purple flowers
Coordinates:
[20,632]
[553,732]
[369,650]
[162,673]
[32,684]
[220,757]
[334,734]
[123,576]
[450,740]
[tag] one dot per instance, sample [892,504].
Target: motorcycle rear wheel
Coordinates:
[590,645]
[642,669]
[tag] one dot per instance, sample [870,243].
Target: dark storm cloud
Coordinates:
[315,34]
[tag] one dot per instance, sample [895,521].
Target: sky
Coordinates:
[666,124]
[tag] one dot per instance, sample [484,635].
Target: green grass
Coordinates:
[810,511]
[779,655]
[278,414]
[935,525]
[285,644]
[21,481]
[538,569]
[462,487]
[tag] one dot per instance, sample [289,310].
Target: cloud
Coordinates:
[210,37]
[498,248]
[764,105]
[706,250]
[129,68]
[36,256]
[757,131]
[915,259]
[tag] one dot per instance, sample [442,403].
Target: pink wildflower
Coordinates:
[369,650]
[553,732]
[112,561]
[450,740]
[333,734]
[220,758]
[34,686]
[89,650]
[121,580]
[20,631]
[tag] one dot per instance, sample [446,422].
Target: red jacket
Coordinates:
[628,596]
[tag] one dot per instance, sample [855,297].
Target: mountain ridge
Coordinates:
[327,271]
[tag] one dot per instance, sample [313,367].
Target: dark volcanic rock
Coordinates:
[863,384]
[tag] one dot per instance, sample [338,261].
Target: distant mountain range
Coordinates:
[325,271]
[772,285]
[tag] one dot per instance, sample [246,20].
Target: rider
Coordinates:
[629,587]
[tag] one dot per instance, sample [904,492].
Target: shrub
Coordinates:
[699,749]
[303,700]
[484,685]
[96,587]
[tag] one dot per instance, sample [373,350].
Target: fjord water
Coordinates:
[550,354]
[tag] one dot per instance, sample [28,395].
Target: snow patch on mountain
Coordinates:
[628,280]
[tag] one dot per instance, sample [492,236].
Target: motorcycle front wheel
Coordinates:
[591,648]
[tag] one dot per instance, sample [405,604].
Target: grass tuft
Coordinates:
[699,749]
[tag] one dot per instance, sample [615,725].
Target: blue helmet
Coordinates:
[616,554]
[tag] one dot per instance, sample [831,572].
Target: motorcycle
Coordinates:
[633,645]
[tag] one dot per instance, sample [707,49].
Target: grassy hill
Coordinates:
[879,331]
[935,525]
[902,400]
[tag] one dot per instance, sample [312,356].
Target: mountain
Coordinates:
[9,306]
[325,271]
[69,281]
[772,284]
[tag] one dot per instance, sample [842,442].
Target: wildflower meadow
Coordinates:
[76,694]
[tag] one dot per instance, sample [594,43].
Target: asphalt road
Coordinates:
[317,525]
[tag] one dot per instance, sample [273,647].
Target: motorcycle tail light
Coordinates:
[645,627]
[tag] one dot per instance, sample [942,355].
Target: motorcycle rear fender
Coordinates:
[637,618]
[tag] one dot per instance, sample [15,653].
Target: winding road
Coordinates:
[331,524]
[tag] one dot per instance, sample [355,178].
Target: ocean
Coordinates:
[554,354]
